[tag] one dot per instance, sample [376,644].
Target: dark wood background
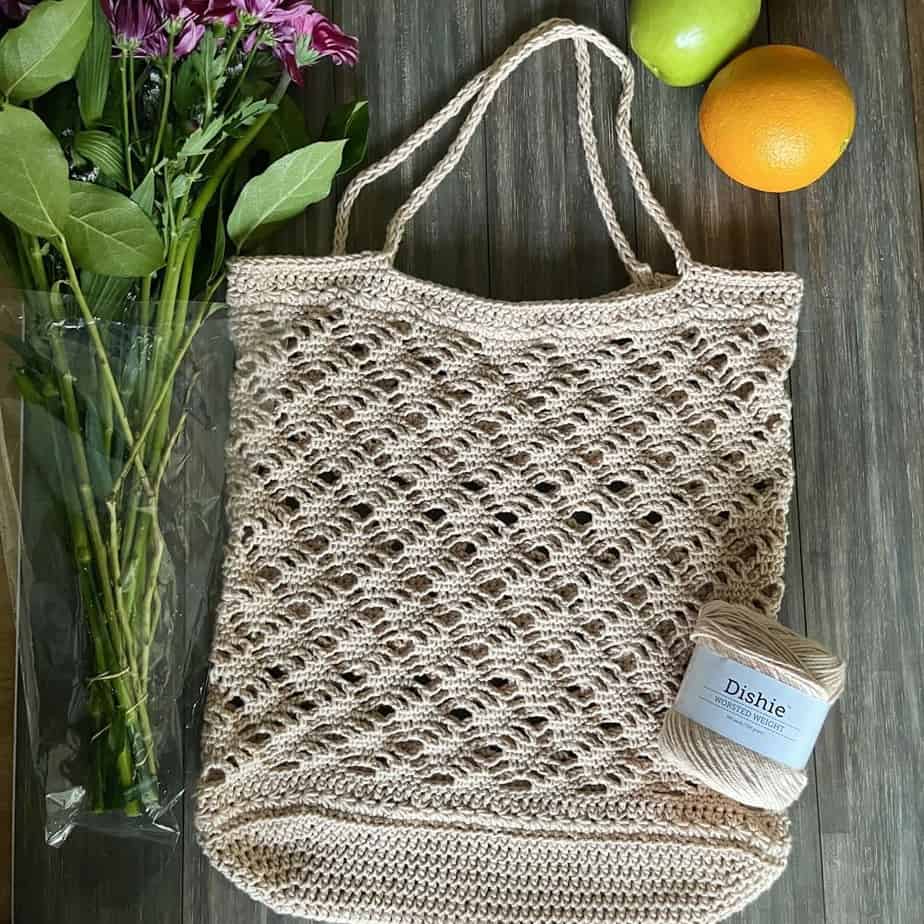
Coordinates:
[517,222]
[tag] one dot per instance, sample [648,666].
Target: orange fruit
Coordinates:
[777,117]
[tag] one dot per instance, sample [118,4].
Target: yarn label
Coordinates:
[750,708]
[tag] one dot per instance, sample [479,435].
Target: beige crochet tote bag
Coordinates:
[468,542]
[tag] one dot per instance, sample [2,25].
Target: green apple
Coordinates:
[683,42]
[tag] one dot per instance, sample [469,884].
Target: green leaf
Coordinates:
[285,131]
[93,69]
[46,49]
[29,391]
[106,295]
[209,63]
[34,189]
[104,151]
[109,234]
[248,112]
[350,121]
[285,188]
[186,91]
[144,194]
[180,185]
[201,140]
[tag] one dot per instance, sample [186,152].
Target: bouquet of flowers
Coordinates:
[130,131]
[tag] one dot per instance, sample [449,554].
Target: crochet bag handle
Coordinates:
[483,89]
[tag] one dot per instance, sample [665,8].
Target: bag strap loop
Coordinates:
[483,89]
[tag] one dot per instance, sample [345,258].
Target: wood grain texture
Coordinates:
[547,239]
[517,221]
[858,391]
[416,55]
[914,15]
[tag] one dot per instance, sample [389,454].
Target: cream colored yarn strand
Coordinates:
[483,89]
[756,641]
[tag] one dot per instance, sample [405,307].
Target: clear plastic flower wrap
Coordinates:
[117,559]
[140,146]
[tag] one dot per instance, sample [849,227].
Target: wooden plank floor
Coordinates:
[517,221]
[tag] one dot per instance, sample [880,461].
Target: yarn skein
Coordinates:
[756,641]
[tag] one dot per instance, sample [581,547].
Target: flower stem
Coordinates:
[159,454]
[105,414]
[245,70]
[72,420]
[163,337]
[164,104]
[130,699]
[181,309]
[144,323]
[189,264]
[161,396]
[89,549]
[32,251]
[233,154]
[119,592]
[145,313]
[148,621]
[232,45]
[140,520]
[126,132]
[102,357]
[179,273]
[140,397]
[133,97]
[135,535]
[83,559]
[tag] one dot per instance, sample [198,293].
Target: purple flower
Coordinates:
[144,27]
[328,40]
[15,10]
[137,25]
[203,11]
[210,10]
[257,11]
[297,34]
[185,23]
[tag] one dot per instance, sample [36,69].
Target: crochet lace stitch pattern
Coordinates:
[468,543]
[464,564]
